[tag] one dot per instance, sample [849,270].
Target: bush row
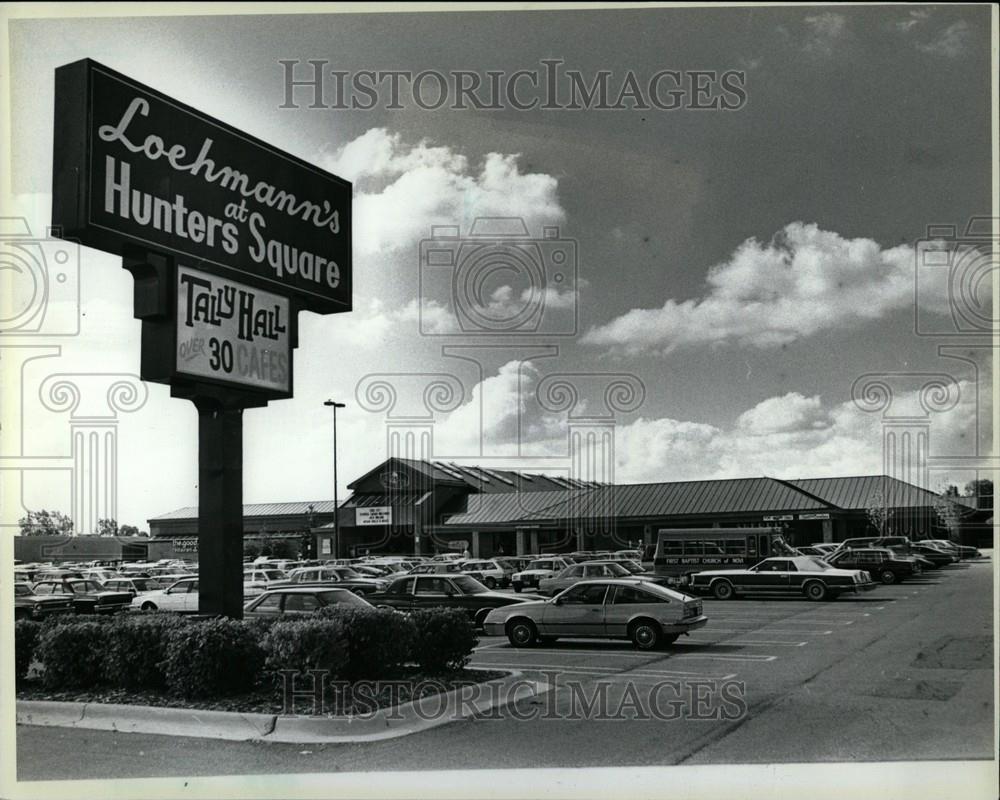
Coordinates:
[206,658]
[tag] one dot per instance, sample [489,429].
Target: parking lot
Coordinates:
[902,672]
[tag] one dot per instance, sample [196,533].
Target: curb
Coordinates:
[391,723]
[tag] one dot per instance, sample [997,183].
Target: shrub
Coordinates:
[71,650]
[136,648]
[445,638]
[305,644]
[214,657]
[26,634]
[379,640]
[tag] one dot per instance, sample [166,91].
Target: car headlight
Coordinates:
[37,608]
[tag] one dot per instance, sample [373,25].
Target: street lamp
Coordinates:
[336,509]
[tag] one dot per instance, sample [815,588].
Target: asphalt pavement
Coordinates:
[905,672]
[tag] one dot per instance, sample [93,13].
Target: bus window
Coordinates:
[764,550]
[736,546]
[674,548]
[694,548]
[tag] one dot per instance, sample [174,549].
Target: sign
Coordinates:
[132,166]
[458,544]
[230,332]
[782,518]
[814,516]
[373,515]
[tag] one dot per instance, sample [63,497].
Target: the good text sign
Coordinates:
[134,167]
[230,332]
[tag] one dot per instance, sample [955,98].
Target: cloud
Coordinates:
[951,41]
[802,282]
[823,33]
[402,190]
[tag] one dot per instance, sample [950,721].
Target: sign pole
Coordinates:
[220,509]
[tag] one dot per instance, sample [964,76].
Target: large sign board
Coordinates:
[132,166]
[373,515]
[229,332]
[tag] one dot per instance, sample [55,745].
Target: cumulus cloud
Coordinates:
[802,282]
[402,190]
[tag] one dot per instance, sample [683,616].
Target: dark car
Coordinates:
[341,577]
[450,591]
[89,597]
[28,605]
[795,575]
[961,550]
[294,601]
[933,554]
[881,563]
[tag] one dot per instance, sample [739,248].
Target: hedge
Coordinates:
[136,649]
[301,645]
[26,633]
[444,640]
[211,658]
[72,651]
[379,640]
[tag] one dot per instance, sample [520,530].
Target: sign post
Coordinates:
[227,238]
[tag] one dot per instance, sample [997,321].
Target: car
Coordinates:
[963,551]
[342,577]
[545,567]
[648,614]
[180,596]
[443,568]
[99,574]
[134,586]
[811,551]
[448,557]
[493,571]
[28,605]
[257,579]
[410,592]
[88,597]
[881,563]
[794,575]
[935,555]
[825,547]
[294,601]
[575,573]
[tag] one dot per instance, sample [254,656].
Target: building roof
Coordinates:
[864,491]
[258,510]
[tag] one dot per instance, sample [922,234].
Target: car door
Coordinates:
[432,591]
[624,603]
[189,599]
[578,612]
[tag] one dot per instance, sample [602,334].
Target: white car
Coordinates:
[492,571]
[529,577]
[134,586]
[181,596]
[256,580]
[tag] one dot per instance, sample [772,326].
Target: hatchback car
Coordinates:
[620,608]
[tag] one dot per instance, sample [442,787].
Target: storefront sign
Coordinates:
[374,515]
[814,516]
[135,167]
[232,333]
[782,518]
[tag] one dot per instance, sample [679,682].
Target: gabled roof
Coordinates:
[258,510]
[863,491]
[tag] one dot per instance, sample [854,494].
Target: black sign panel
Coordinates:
[134,167]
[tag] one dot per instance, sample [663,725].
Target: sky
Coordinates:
[742,270]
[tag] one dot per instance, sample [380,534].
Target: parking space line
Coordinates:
[603,673]
[747,657]
[766,643]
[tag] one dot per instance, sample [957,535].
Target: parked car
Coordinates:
[934,554]
[447,557]
[180,596]
[257,579]
[89,597]
[134,586]
[443,568]
[621,608]
[529,577]
[342,577]
[825,547]
[294,601]
[811,551]
[450,591]
[494,571]
[963,551]
[575,573]
[28,605]
[881,563]
[795,575]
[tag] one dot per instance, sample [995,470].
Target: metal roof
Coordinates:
[259,510]
[863,491]
[499,508]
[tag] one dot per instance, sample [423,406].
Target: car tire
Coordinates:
[148,606]
[723,590]
[645,634]
[490,583]
[816,590]
[887,576]
[522,633]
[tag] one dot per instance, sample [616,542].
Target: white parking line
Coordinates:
[799,632]
[747,657]
[604,673]
[766,643]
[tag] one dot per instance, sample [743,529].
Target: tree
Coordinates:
[45,523]
[877,513]
[982,489]
[128,530]
[949,513]
[107,527]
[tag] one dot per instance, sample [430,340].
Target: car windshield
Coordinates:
[817,563]
[344,598]
[86,586]
[617,570]
[468,585]
[349,572]
[632,567]
[540,565]
[273,574]
[141,585]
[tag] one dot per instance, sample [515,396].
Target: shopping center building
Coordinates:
[411,506]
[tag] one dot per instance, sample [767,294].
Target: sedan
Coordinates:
[620,608]
[297,601]
[88,597]
[795,575]
[529,577]
[578,572]
[450,591]
[342,577]
[181,596]
[28,605]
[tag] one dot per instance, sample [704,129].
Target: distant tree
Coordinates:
[983,490]
[949,513]
[128,530]
[951,490]
[877,513]
[107,527]
[251,549]
[283,548]
[45,523]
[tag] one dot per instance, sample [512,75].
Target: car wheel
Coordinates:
[147,606]
[887,576]
[522,632]
[816,590]
[645,634]
[490,583]
[723,590]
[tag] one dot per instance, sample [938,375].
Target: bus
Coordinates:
[683,551]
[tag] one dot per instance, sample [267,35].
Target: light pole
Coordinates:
[336,506]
